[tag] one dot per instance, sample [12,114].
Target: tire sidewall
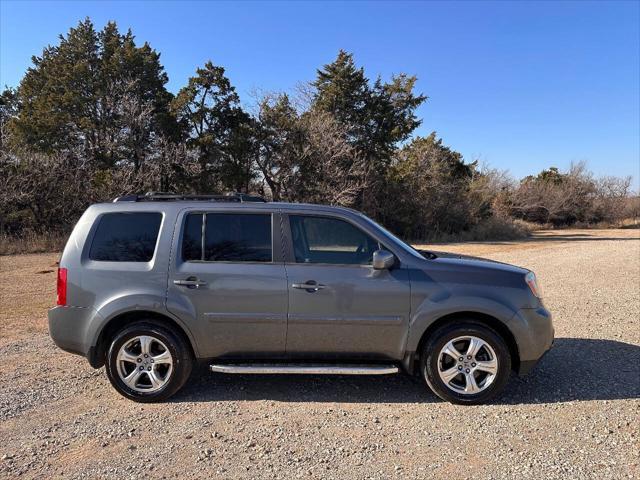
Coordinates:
[173,344]
[430,358]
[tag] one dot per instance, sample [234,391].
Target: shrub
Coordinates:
[490,229]
[559,199]
[428,191]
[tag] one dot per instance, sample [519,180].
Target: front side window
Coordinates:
[227,237]
[126,237]
[330,240]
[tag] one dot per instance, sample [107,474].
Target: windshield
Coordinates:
[399,242]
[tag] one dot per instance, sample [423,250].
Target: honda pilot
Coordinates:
[150,285]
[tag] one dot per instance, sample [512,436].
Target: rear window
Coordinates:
[227,237]
[126,237]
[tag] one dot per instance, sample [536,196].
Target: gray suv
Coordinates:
[149,285]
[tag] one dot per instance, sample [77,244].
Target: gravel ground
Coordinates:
[575,416]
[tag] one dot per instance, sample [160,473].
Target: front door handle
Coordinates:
[310,286]
[191,282]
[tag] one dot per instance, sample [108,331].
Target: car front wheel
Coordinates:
[466,363]
[148,362]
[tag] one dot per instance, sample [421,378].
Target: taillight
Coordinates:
[62,286]
[531,280]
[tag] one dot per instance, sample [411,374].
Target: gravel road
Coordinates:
[576,416]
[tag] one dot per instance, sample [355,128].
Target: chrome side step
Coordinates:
[307,369]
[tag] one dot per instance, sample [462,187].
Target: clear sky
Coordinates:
[520,85]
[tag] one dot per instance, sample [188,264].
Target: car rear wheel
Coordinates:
[466,363]
[148,362]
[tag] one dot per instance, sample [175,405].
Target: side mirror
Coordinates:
[383,260]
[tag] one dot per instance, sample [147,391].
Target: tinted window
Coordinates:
[192,238]
[237,237]
[330,240]
[125,237]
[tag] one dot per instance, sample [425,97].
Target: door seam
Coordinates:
[283,249]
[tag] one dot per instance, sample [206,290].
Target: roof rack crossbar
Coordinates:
[168,197]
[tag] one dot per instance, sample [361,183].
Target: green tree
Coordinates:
[281,140]
[72,96]
[9,107]
[377,117]
[552,175]
[208,110]
[343,90]
[427,190]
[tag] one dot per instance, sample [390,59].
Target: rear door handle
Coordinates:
[310,286]
[190,282]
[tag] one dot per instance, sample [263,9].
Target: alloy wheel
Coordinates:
[467,365]
[144,364]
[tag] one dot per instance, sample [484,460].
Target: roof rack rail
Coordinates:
[172,197]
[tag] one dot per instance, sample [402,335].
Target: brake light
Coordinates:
[531,280]
[62,286]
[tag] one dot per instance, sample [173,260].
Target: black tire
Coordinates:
[429,361]
[181,357]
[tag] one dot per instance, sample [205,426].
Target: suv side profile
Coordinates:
[148,285]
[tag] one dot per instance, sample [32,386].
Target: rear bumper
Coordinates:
[67,328]
[536,338]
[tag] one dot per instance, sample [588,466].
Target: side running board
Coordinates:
[307,369]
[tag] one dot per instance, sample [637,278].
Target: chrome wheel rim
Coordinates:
[467,365]
[144,364]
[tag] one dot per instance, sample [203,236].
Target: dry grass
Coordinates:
[626,223]
[538,239]
[494,228]
[31,242]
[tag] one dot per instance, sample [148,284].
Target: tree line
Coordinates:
[92,119]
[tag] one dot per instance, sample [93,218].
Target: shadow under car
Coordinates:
[575,369]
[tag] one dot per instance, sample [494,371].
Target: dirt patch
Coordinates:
[539,239]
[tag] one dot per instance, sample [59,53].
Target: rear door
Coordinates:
[227,275]
[339,306]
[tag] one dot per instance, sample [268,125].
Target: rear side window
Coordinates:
[227,237]
[126,237]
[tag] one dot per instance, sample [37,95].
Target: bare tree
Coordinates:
[339,172]
[566,198]
[43,192]
[306,157]
[136,117]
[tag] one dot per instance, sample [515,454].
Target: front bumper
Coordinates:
[535,338]
[528,365]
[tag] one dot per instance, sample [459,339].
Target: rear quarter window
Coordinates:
[126,237]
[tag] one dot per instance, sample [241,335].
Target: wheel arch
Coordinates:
[118,322]
[482,318]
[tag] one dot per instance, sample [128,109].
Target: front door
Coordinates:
[339,306]
[227,276]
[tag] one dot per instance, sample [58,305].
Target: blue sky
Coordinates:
[522,85]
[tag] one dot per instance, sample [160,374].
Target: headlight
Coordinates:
[530,278]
